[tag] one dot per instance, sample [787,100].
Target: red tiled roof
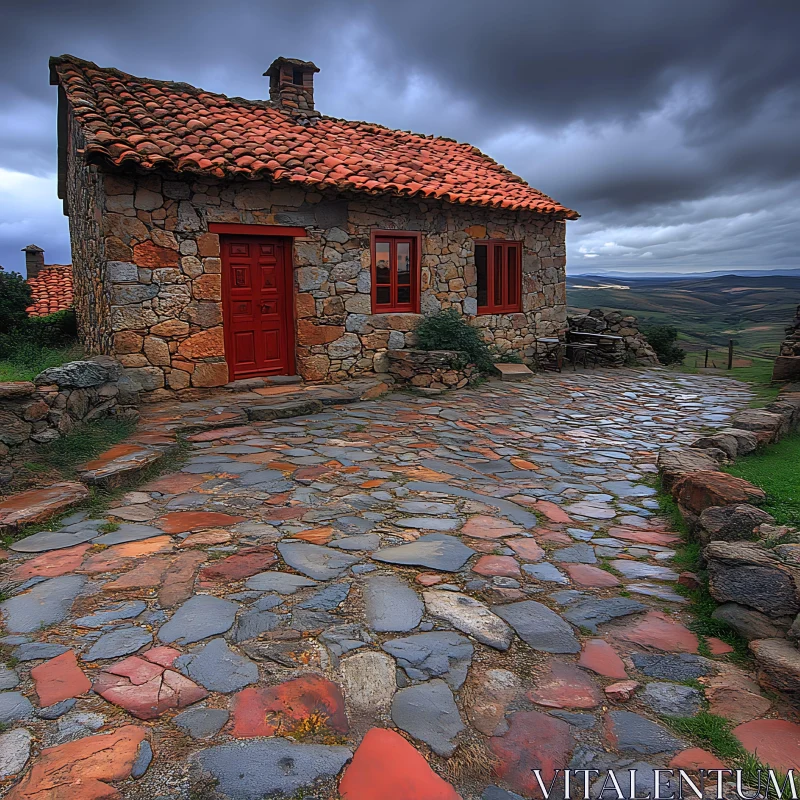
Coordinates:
[156,124]
[51,290]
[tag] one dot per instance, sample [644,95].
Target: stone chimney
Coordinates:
[291,86]
[34,260]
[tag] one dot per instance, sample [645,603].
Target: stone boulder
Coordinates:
[751,624]
[778,666]
[764,424]
[79,374]
[674,464]
[746,441]
[747,574]
[726,442]
[730,523]
[698,491]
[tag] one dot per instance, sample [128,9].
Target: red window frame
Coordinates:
[414,241]
[503,276]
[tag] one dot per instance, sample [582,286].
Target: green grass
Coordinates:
[775,470]
[26,361]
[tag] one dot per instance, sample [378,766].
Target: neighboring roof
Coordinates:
[157,124]
[51,290]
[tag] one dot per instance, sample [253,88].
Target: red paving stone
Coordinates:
[146,689]
[644,536]
[280,710]
[241,565]
[429,578]
[51,565]
[505,566]
[220,433]
[482,526]
[37,505]
[553,512]
[206,538]
[120,556]
[179,578]
[553,537]
[59,679]
[775,742]
[694,759]
[600,657]
[622,691]
[526,549]
[565,686]
[718,647]
[177,483]
[315,535]
[386,767]
[587,575]
[533,741]
[147,575]
[83,769]
[658,631]
[182,521]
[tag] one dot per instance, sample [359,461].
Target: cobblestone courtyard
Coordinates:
[478,582]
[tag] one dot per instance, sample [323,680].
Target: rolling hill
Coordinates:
[707,311]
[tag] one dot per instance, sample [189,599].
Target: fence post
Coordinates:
[730,353]
[706,364]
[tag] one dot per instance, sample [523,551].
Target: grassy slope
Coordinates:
[26,362]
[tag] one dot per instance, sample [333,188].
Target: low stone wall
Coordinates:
[58,400]
[633,349]
[753,564]
[431,371]
[787,364]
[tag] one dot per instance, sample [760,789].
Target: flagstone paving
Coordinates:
[405,598]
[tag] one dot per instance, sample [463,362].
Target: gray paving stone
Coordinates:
[128,533]
[57,709]
[434,550]
[428,712]
[252,770]
[357,542]
[391,604]
[111,614]
[45,541]
[584,722]
[681,667]
[117,643]
[423,507]
[545,572]
[198,618]
[15,750]
[470,616]
[636,734]
[202,723]
[591,613]
[33,651]
[328,598]
[433,655]
[14,706]
[45,604]
[315,561]
[8,678]
[427,523]
[252,623]
[638,570]
[353,525]
[281,582]
[342,639]
[143,758]
[218,668]
[672,699]
[539,627]
[576,554]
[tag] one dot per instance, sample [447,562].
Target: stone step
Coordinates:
[249,384]
[119,464]
[37,505]
[513,372]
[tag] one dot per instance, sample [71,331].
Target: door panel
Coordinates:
[257,305]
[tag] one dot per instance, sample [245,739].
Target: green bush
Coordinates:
[15,297]
[448,330]
[53,330]
[663,338]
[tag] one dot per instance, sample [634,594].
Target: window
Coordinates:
[395,268]
[498,264]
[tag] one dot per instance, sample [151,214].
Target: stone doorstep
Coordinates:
[120,463]
[514,372]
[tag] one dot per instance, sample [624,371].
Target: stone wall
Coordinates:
[753,564]
[164,272]
[57,401]
[787,364]
[431,371]
[634,347]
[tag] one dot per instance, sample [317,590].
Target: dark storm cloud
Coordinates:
[672,126]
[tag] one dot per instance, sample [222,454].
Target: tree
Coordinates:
[15,297]
[663,338]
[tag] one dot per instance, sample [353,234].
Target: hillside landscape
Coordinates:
[707,311]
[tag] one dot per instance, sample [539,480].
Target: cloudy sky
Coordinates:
[672,126]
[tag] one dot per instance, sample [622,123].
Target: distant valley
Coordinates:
[753,310]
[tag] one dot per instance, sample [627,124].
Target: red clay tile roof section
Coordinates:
[51,289]
[157,124]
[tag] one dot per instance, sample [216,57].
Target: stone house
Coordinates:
[51,284]
[217,238]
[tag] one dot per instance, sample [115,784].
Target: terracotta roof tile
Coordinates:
[51,290]
[156,124]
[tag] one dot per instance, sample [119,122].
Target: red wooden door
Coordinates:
[257,305]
